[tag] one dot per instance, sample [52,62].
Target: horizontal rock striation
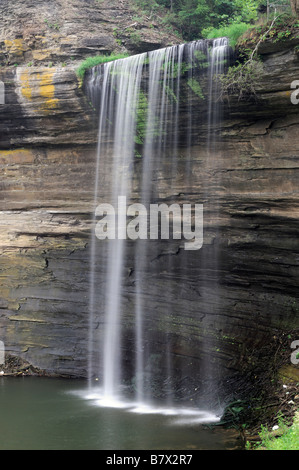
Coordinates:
[38,32]
[44,106]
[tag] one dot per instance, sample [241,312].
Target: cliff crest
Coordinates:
[43,32]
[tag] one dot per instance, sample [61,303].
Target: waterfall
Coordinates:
[140,101]
[219,57]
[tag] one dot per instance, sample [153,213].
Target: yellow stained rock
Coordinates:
[15,46]
[40,87]
[47,91]
[16,156]
[26,88]
[41,54]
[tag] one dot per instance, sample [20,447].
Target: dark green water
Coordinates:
[51,414]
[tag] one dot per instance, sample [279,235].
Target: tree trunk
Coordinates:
[295,6]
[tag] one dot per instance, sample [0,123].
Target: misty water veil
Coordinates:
[145,104]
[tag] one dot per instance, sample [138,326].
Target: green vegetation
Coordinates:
[52,25]
[284,27]
[170,94]
[233,32]
[195,87]
[191,17]
[97,60]
[195,19]
[148,127]
[175,70]
[135,38]
[241,80]
[282,438]
[142,110]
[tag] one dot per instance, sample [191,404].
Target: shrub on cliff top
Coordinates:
[233,32]
[97,60]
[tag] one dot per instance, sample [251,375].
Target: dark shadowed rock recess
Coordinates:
[48,146]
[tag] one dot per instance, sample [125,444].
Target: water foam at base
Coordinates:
[182,415]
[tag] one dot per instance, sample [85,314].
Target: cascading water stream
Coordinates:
[219,56]
[139,101]
[121,86]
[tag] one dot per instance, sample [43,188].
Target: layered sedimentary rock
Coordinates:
[64,31]
[250,193]
[44,106]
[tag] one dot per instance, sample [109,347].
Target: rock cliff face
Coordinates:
[47,151]
[40,32]
[47,158]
